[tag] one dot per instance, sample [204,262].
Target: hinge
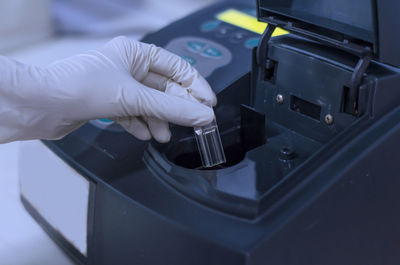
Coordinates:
[356,79]
[262,49]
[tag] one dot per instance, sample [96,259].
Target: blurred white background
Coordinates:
[23,21]
[39,32]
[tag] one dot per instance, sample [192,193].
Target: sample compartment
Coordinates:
[259,153]
[238,140]
[256,160]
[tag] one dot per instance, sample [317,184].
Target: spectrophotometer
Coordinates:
[309,115]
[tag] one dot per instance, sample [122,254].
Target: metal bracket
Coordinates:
[262,49]
[355,83]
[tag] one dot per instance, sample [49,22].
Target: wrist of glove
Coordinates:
[140,86]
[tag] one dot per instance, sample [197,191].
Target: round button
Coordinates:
[223,31]
[212,53]
[251,43]
[189,59]
[195,46]
[210,25]
[238,36]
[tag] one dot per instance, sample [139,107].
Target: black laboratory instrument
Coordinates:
[310,123]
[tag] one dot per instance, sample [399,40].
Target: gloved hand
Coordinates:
[140,86]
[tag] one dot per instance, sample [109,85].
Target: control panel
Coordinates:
[203,54]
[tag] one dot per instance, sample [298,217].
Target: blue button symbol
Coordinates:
[210,25]
[212,52]
[106,120]
[251,43]
[189,59]
[195,46]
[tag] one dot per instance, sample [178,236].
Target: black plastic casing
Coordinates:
[308,192]
[345,24]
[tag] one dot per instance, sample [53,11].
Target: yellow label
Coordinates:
[246,21]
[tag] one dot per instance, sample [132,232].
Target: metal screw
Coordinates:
[329,119]
[286,154]
[279,98]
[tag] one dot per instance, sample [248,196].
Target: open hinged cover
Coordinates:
[362,27]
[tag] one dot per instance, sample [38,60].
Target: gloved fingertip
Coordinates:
[159,130]
[136,128]
[212,102]
[142,136]
[163,138]
[205,116]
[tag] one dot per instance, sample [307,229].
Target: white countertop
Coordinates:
[22,241]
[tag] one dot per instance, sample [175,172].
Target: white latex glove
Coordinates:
[140,86]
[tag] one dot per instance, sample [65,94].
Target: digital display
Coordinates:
[246,21]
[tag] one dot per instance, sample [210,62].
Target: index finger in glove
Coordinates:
[174,67]
[148,102]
